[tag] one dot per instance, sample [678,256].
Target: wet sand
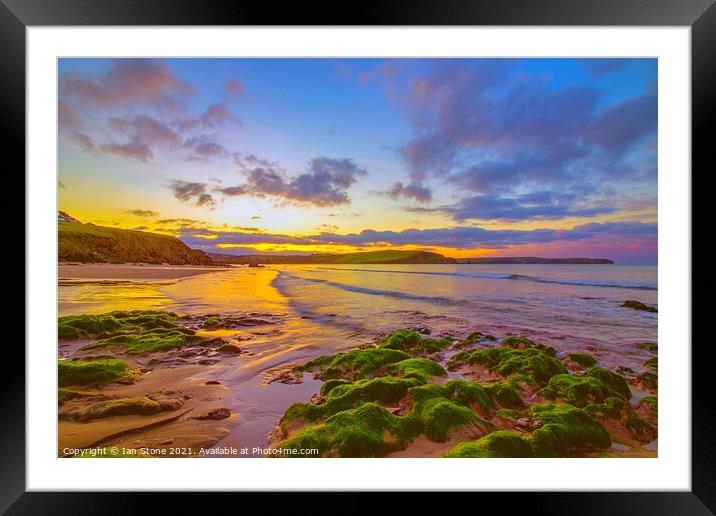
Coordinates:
[109,271]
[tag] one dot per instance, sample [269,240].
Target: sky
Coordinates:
[464,157]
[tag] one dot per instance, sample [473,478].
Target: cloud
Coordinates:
[147,130]
[324,183]
[234,87]
[84,142]
[67,116]
[202,237]
[215,115]
[193,192]
[535,205]
[132,150]
[248,161]
[637,235]
[470,237]
[126,81]
[415,191]
[142,213]
[204,149]
[232,191]
[483,128]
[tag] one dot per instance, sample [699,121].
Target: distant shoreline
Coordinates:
[375,258]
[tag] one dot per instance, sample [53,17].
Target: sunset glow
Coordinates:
[467,158]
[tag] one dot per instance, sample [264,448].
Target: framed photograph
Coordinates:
[427,249]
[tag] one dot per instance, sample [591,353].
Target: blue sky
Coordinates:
[309,153]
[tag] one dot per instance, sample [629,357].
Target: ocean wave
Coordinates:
[440,300]
[521,277]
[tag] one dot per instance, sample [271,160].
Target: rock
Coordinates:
[216,414]
[168,400]
[638,305]
[229,348]
[213,382]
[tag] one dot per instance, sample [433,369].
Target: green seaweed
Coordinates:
[87,372]
[532,363]
[93,326]
[648,380]
[581,358]
[564,429]
[638,305]
[640,427]
[652,363]
[505,395]
[401,339]
[577,390]
[468,393]
[148,341]
[354,365]
[611,408]
[648,346]
[413,342]
[653,403]
[140,405]
[64,395]
[616,382]
[500,444]
[343,396]
[360,432]
[328,385]
[420,368]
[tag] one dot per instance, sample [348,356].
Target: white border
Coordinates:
[672,469]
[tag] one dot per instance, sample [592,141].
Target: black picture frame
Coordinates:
[700,15]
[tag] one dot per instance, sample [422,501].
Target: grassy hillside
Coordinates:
[79,242]
[377,257]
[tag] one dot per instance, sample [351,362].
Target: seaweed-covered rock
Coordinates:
[64,395]
[534,364]
[148,341]
[653,347]
[577,390]
[559,431]
[469,393]
[94,372]
[563,429]
[638,305]
[505,395]
[140,405]
[616,382]
[367,431]
[420,368]
[582,359]
[648,407]
[500,444]
[344,395]
[104,325]
[652,363]
[475,338]
[354,365]
[412,341]
[619,414]
[647,381]
[592,387]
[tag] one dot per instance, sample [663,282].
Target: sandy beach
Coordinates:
[108,271]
